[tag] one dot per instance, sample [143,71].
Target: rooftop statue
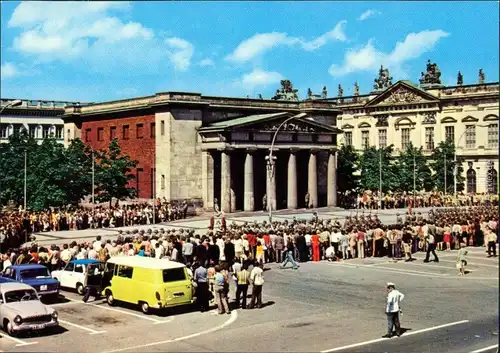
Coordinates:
[432,76]
[356,89]
[287,92]
[340,92]
[324,94]
[460,79]
[482,76]
[384,79]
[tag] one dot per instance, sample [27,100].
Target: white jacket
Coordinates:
[394,299]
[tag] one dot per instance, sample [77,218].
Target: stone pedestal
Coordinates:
[292,181]
[332,180]
[312,180]
[249,202]
[225,190]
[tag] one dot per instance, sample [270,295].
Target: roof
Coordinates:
[145,262]
[27,266]
[85,262]
[246,120]
[14,285]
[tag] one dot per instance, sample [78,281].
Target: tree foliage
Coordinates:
[378,167]
[413,170]
[443,165]
[347,168]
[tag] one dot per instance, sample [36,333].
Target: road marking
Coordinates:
[170,319]
[234,316]
[20,343]
[403,336]
[471,264]
[120,311]
[68,303]
[485,349]
[393,270]
[92,332]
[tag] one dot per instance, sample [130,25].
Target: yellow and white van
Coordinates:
[148,282]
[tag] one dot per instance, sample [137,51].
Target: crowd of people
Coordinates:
[218,256]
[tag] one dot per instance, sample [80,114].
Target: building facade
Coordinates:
[40,119]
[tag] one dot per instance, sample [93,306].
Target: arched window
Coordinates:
[471,181]
[492,180]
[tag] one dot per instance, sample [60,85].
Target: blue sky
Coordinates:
[89,51]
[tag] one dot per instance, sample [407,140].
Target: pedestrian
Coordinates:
[200,279]
[257,281]
[220,292]
[492,242]
[461,260]
[392,310]
[289,255]
[242,281]
[431,247]
[93,281]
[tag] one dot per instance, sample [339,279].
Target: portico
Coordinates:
[235,168]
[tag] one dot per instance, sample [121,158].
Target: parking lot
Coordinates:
[322,307]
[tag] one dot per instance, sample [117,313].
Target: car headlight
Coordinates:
[54,315]
[18,320]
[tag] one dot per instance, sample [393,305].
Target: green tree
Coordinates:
[78,171]
[113,174]
[374,161]
[443,165]
[347,168]
[410,163]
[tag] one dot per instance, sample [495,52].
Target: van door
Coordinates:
[178,287]
[122,285]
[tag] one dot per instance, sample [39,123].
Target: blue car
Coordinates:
[37,276]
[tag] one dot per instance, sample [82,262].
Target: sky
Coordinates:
[101,51]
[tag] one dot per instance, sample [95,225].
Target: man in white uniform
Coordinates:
[392,310]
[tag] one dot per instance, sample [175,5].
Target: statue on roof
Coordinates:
[482,76]
[309,93]
[460,79]
[260,96]
[287,92]
[340,92]
[324,94]
[432,76]
[356,89]
[384,79]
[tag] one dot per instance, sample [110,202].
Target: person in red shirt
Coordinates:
[315,247]
[252,243]
[267,251]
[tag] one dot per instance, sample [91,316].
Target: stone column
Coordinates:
[271,185]
[249,203]
[292,181]
[312,179]
[225,176]
[332,180]
[207,182]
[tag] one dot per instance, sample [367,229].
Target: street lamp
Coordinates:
[271,163]
[455,169]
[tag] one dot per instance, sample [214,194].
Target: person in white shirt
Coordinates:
[92,255]
[431,247]
[257,281]
[392,310]
[97,244]
[330,253]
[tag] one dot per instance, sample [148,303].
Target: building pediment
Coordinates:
[402,92]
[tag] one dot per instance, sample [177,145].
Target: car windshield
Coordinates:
[20,295]
[35,273]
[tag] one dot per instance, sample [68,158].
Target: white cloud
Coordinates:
[367,14]
[368,58]
[88,30]
[260,78]
[207,62]
[260,43]
[8,70]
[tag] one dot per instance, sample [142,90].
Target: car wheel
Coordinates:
[9,328]
[109,298]
[144,307]
[79,288]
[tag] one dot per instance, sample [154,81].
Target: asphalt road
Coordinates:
[320,307]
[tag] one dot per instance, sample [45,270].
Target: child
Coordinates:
[461,261]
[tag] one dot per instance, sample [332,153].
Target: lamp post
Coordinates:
[25,176]
[271,164]
[380,178]
[455,169]
[414,176]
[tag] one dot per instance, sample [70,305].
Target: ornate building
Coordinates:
[425,115]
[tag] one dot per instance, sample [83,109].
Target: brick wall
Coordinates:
[138,143]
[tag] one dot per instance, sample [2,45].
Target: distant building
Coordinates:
[40,119]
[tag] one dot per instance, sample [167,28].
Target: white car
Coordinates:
[22,310]
[73,275]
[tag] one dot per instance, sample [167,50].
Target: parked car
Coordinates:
[22,310]
[73,275]
[37,276]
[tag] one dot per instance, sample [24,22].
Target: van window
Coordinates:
[125,271]
[174,275]
[70,267]
[79,268]
[110,268]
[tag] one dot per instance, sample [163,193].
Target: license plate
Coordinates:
[38,327]
[43,287]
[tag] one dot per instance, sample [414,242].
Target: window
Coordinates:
[492,181]
[348,138]
[449,132]
[112,132]
[470,136]
[46,131]
[139,131]
[70,267]
[162,127]
[365,139]
[87,135]
[162,186]
[100,134]
[32,131]
[493,136]
[382,138]
[3,131]
[471,181]
[405,138]
[59,132]
[125,271]
[174,275]
[429,138]
[152,130]
[152,174]
[138,179]
[126,130]
[79,268]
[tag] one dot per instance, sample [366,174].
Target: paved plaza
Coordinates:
[322,307]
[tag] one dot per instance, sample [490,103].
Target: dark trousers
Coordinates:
[431,248]
[90,291]
[393,323]
[277,255]
[492,248]
[202,296]
[241,291]
[256,296]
